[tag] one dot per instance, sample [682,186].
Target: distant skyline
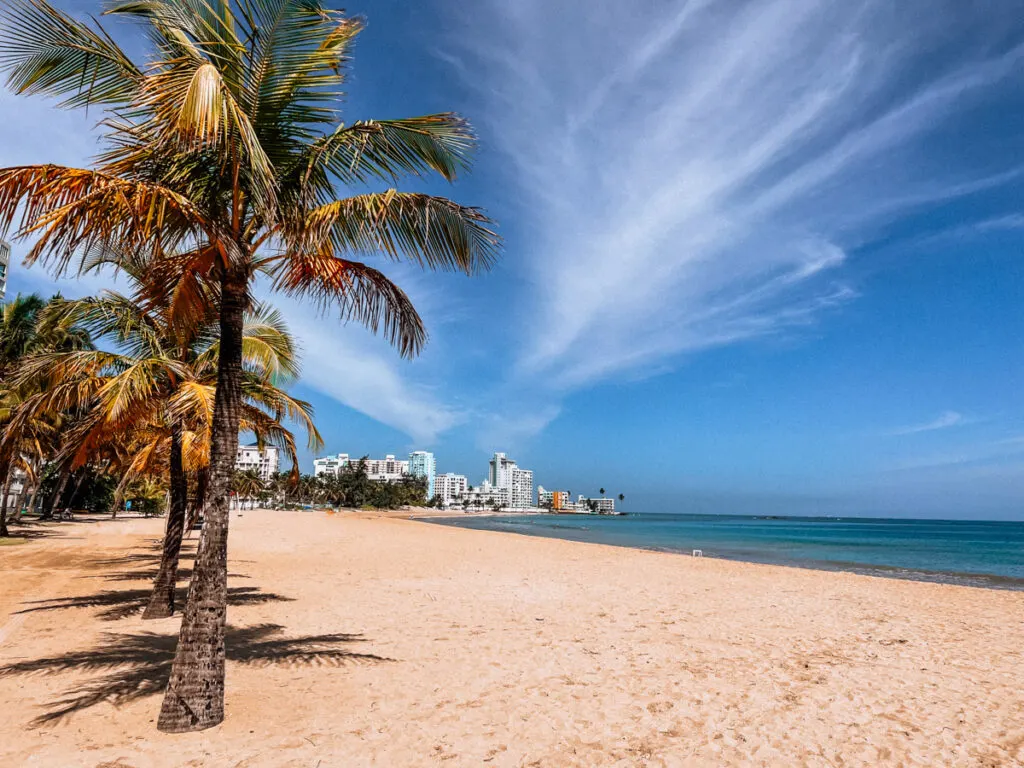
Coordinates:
[762,257]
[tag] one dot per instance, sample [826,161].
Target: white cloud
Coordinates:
[692,174]
[351,367]
[945,420]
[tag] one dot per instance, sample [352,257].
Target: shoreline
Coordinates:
[364,639]
[973,579]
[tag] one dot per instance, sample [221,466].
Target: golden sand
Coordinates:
[359,640]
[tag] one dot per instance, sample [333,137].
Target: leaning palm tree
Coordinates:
[226,146]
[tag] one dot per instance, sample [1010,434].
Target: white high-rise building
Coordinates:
[500,474]
[521,490]
[421,464]
[5,265]
[450,487]
[265,463]
[517,483]
[330,464]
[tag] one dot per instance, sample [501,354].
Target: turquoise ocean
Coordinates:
[973,553]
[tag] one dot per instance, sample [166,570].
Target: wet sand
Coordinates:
[363,639]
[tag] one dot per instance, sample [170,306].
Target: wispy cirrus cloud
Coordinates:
[692,174]
[945,420]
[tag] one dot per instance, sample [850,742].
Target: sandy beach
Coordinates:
[361,640]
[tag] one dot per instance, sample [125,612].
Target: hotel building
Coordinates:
[330,464]
[487,496]
[504,473]
[388,469]
[450,487]
[557,500]
[604,506]
[422,464]
[265,463]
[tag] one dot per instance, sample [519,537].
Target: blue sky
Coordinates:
[760,257]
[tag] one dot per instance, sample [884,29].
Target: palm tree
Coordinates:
[28,444]
[247,484]
[622,497]
[17,335]
[602,493]
[156,395]
[226,143]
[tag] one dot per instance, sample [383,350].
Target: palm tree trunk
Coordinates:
[54,500]
[78,486]
[161,602]
[16,517]
[35,496]
[7,474]
[195,693]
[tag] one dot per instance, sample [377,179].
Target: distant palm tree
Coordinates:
[602,492]
[227,143]
[247,484]
[622,497]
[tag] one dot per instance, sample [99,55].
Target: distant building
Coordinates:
[5,265]
[487,496]
[17,486]
[265,463]
[500,473]
[603,506]
[388,469]
[450,487]
[522,488]
[557,500]
[330,465]
[504,473]
[421,464]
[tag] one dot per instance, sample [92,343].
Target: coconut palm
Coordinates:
[156,393]
[227,144]
[247,484]
[28,445]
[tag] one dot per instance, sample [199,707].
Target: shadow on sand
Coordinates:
[139,665]
[120,604]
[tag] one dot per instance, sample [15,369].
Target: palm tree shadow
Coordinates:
[120,604]
[139,665]
[184,574]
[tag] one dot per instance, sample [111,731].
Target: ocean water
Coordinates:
[981,554]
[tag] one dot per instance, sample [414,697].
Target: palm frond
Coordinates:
[358,291]
[433,232]
[390,149]
[283,406]
[268,347]
[71,210]
[46,52]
